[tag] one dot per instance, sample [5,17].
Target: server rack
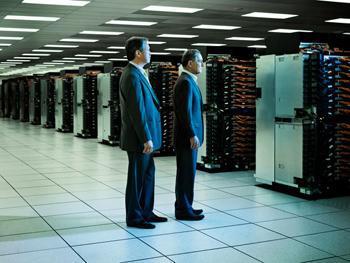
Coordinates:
[2,99]
[7,99]
[47,86]
[24,84]
[14,99]
[85,104]
[162,76]
[109,119]
[64,96]
[35,101]
[230,116]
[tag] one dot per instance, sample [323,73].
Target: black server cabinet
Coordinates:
[24,84]
[2,99]
[64,104]
[7,99]
[48,102]
[15,99]
[115,107]
[35,102]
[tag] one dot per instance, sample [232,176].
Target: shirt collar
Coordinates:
[191,74]
[138,67]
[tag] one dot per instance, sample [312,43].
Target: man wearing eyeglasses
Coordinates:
[140,135]
[188,134]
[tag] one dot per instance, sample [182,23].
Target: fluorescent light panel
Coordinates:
[117,59]
[116,47]
[53,63]
[337,1]
[156,42]
[269,15]
[76,58]
[177,36]
[56,2]
[62,46]
[5,44]
[346,33]
[107,33]
[130,23]
[289,31]
[102,61]
[11,63]
[339,20]
[209,44]
[63,61]
[88,55]
[175,49]
[79,40]
[171,9]
[36,54]
[11,38]
[104,52]
[26,57]
[18,29]
[160,53]
[18,60]
[257,46]
[216,27]
[48,50]
[32,18]
[245,38]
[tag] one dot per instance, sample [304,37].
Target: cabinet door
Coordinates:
[288,153]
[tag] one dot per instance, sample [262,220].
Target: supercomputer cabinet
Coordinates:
[202,84]
[47,86]
[64,104]
[85,105]
[281,130]
[7,98]
[15,99]
[34,102]
[24,99]
[2,105]
[108,107]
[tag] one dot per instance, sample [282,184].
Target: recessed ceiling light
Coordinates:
[289,31]
[130,23]
[117,59]
[11,63]
[79,40]
[104,52]
[11,38]
[48,50]
[245,38]
[116,47]
[75,58]
[160,53]
[88,55]
[107,33]
[171,9]
[339,20]
[62,46]
[32,18]
[346,33]
[26,57]
[63,61]
[257,46]
[36,54]
[156,42]
[18,29]
[269,15]
[56,2]
[102,61]
[175,49]
[18,60]
[337,1]
[208,44]
[0,49]
[177,36]
[216,27]
[5,44]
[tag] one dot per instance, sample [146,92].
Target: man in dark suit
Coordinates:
[140,134]
[188,134]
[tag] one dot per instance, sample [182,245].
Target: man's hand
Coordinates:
[148,147]
[194,142]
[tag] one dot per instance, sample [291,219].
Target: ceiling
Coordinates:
[311,16]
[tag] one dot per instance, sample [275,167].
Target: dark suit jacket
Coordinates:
[140,117]
[188,106]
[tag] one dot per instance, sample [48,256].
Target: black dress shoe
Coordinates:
[142,224]
[189,217]
[197,211]
[157,219]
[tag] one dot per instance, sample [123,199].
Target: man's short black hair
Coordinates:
[189,54]
[133,44]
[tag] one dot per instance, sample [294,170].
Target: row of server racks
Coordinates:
[303,122]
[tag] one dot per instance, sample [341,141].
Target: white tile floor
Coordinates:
[62,201]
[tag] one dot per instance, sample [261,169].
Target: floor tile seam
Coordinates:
[137,260]
[314,247]
[35,250]
[317,260]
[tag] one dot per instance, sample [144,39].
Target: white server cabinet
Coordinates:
[265,119]
[104,110]
[78,105]
[202,83]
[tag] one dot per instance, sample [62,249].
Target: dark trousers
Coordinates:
[186,160]
[139,196]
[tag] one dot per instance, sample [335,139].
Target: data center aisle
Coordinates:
[62,200]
